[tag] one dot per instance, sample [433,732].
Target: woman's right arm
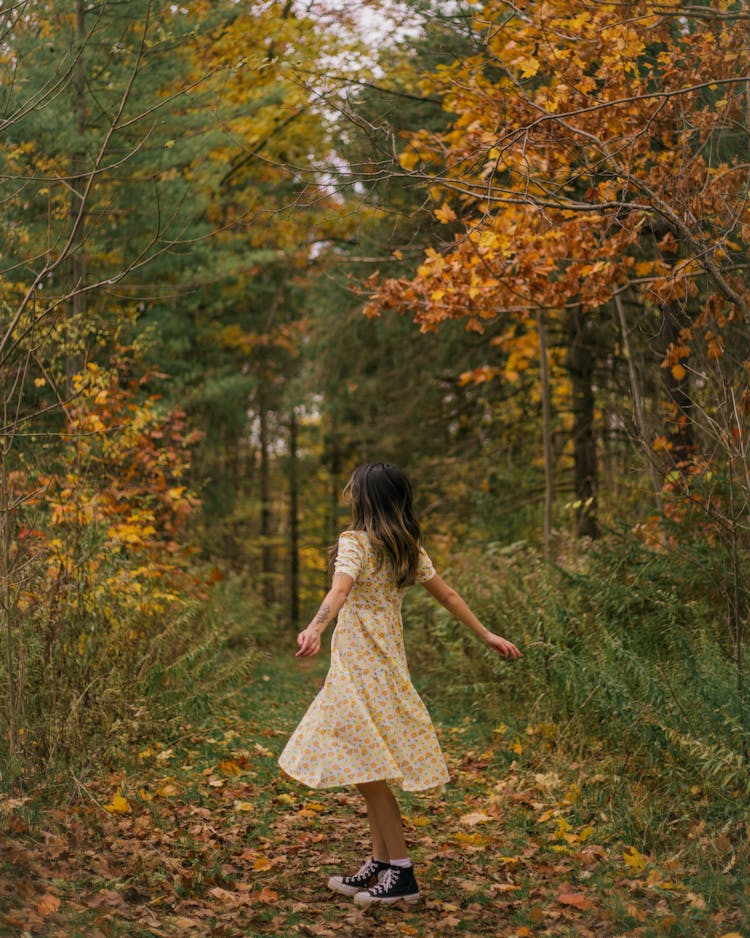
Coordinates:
[456,605]
[309,639]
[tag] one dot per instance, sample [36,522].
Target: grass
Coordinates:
[527,839]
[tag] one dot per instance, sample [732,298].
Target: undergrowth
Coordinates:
[624,661]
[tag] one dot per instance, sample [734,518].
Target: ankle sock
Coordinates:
[403,864]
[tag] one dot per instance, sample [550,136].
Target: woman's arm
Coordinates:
[309,639]
[456,605]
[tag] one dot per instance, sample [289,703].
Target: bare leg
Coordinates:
[385,821]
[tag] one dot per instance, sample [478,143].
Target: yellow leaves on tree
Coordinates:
[561,170]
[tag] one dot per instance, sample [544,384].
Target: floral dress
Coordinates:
[368,721]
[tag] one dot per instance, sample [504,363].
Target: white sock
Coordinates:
[404,864]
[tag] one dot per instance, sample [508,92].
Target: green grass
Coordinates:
[186,845]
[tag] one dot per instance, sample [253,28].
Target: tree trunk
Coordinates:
[549,481]
[265,501]
[293,523]
[679,429]
[6,603]
[76,214]
[580,362]
[639,411]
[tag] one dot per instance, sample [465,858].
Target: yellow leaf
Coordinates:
[419,821]
[474,840]
[119,805]
[634,859]
[227,767]
[408,159]
[39,382]
[262,864]
[529,66]
[678,372]
[286,798]
[243,805]
[445,214]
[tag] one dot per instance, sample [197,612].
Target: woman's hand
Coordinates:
[309,642]
[507,649]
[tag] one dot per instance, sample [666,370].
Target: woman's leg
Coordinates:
[385,821]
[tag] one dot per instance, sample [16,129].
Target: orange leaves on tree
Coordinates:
[445,214]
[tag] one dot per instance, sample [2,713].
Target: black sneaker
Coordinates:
[367,875]
[397,884]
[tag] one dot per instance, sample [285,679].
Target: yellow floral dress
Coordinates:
[368,722]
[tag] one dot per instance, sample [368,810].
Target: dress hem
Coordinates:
[393,780]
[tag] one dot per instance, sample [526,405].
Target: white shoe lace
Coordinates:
[367,869]
[387,880]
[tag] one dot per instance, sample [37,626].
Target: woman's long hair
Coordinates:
[382,505]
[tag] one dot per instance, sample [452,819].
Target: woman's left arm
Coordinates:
[455,604]
[309,639]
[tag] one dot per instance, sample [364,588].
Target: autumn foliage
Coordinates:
[541,209]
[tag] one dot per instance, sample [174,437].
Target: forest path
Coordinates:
[204,836]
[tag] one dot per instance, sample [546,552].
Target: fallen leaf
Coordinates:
[48,904]
[118,805]
[634,859]
[577,899]
[262,864]
[267,895]
[244,806]
[476,817]
[224,894]
[227,767]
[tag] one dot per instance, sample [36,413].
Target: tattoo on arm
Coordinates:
[323,614]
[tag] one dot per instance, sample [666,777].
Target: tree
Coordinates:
[559,170]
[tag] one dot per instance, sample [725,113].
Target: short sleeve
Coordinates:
[425,569]
[350,555]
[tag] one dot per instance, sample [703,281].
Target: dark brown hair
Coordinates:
[382,505]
